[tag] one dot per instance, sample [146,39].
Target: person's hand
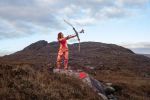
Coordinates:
[79,40]
[68,37]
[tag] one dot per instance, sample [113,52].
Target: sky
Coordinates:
[121,22]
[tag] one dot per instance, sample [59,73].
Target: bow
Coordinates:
[82,31]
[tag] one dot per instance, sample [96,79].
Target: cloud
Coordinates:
[5,52]
[17,2]
[136,45]
[25,17]
[133,3]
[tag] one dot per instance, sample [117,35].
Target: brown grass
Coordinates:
[25,83]
[128,85]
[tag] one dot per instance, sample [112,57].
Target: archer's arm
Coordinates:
[70,36]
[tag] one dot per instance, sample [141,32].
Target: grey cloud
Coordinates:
[24,16]
[35,15]
[17,2]
[133,3]
[17,21]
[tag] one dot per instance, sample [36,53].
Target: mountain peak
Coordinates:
[37,45]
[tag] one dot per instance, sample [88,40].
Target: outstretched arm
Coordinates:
[66,38]
[70,36]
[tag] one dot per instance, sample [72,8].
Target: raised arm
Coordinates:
[70,36]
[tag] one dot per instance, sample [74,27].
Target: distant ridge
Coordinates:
[147,55]
[100,55]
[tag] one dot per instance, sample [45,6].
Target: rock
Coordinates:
[109,84]
[103,96]
[101,89]
[109,90]
[111,97]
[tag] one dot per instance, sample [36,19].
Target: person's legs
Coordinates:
[66,60]
[59,58]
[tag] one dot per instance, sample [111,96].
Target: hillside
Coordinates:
[98,55]
[129,72]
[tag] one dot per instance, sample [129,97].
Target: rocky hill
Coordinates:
[98,55]
[129,72]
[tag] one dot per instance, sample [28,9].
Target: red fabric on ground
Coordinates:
[82,75]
